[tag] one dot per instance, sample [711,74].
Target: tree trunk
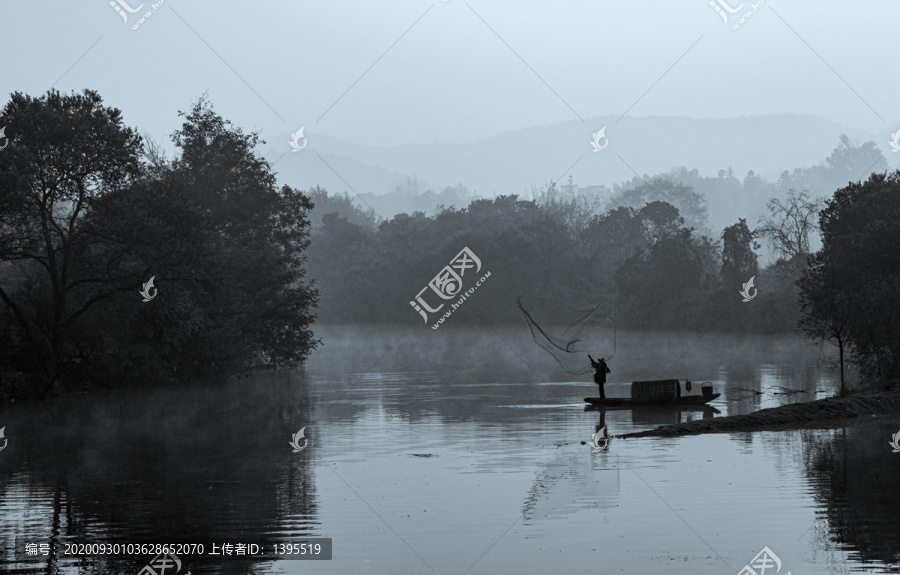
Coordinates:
[841,353]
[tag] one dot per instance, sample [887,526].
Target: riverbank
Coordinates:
[828,412]
[20,386]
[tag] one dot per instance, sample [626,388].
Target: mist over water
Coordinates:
[428,449]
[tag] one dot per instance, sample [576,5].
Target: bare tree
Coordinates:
[788,226]
[154,153]
[575,209]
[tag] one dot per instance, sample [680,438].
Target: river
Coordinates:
[456,451]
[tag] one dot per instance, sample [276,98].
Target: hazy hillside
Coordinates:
[713,156]
[513,162]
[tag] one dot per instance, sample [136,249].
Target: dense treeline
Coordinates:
[641,261]
[646,263]
[88,215]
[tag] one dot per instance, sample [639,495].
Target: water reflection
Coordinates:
[185,465]
[573,480]
[858,488]
[502,431]
[655,415]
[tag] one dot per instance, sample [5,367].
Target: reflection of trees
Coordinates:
[856,481]
[572,481]
[186,465]
[762,379]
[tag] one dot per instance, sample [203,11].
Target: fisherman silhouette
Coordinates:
[600,371]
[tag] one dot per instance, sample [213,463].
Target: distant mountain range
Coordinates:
[514,162]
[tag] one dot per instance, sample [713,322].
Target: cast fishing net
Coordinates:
[569,333]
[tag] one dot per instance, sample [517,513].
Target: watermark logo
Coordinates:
[295,139]
[146,291]
[6,140]
[148,13]
[5,441]
[295,441]
[124,5]
[763,561]
[448,284]
[162,564]
[895,443]
[597,438]
[600,135]
[895,141]
[724,7]
[746,291]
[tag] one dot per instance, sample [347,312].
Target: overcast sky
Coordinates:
[416,71]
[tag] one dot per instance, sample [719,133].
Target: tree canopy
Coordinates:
[851,293]
[86,219]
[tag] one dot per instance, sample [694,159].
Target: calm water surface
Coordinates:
[454,452]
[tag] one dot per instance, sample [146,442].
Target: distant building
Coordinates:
[570,190]
[594,190]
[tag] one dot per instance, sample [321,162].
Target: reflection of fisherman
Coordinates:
[600,371]
[602,423]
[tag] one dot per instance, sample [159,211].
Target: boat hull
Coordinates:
[628,402]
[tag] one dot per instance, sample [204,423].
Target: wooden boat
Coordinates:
[626,401]
[659,392]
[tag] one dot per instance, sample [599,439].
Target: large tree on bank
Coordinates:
[851,295]
[83,223]
[65,152]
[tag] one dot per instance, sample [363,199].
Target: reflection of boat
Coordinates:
[652,406]
[651,414]
[626,402]
[664,392]
[660,413]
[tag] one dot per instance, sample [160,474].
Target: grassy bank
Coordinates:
[822,413]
